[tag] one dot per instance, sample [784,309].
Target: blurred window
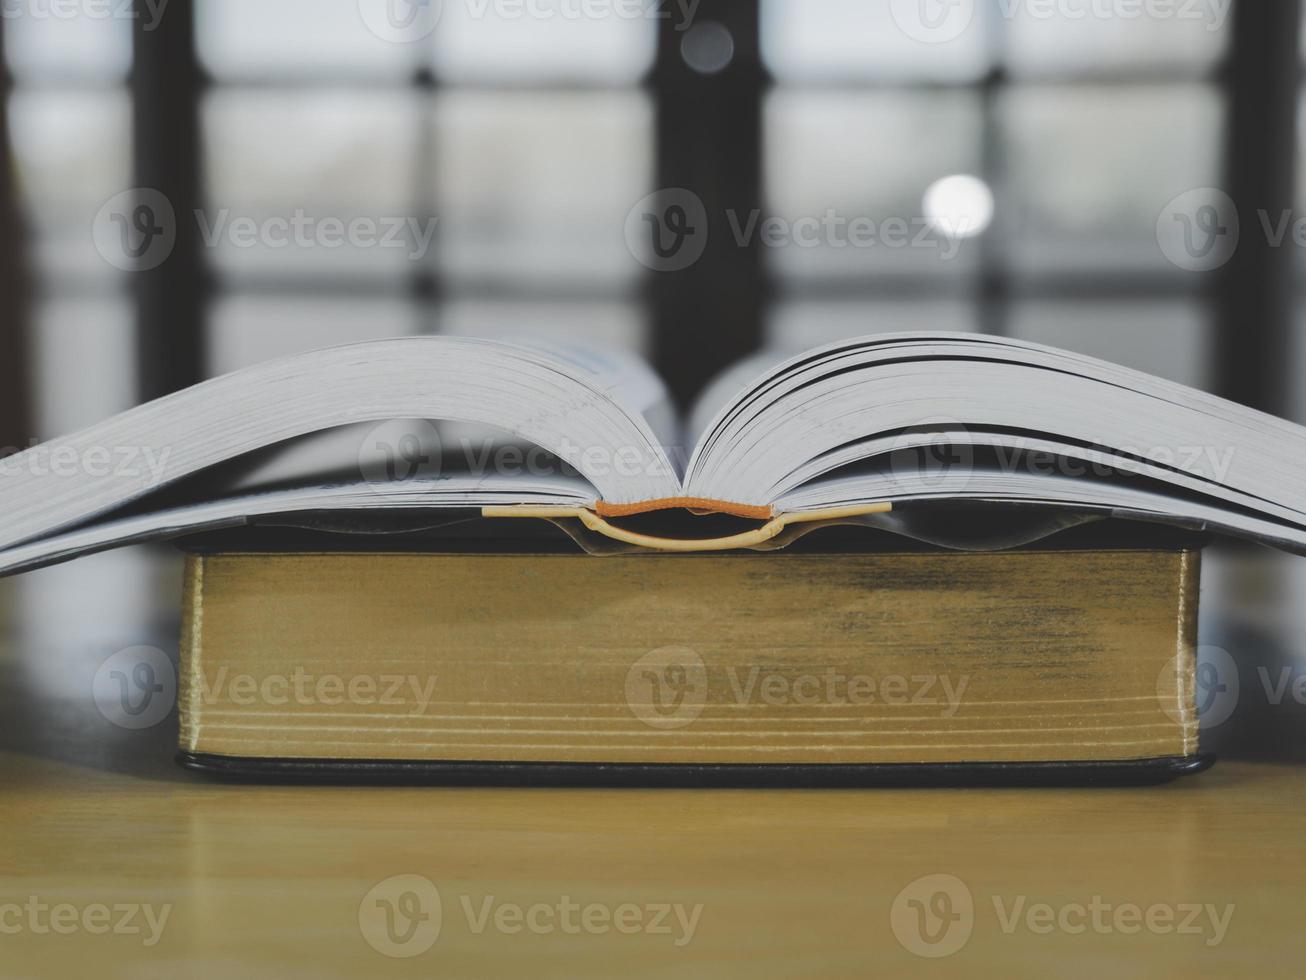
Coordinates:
[475,163]
[70,131]
[1050,139]
[469,167]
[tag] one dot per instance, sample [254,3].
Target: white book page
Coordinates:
[856,400]
[846,424]
[529,394]
[173,521]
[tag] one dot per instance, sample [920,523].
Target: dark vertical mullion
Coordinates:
[1254,290]
[995,272]
[171,298]
[15,399]
[709,142]
[425,286]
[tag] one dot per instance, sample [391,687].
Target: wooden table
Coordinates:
[148,871]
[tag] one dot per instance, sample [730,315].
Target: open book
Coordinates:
[872,426]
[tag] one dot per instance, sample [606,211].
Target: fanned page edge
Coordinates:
[774,516]
[1006,354]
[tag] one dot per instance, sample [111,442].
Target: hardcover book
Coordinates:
[968,450]
[821,666]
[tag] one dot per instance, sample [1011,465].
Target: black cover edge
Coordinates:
[1130,772]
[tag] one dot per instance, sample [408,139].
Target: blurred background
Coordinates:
[693,181]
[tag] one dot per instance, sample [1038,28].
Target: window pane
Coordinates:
[245,330]
[84,42]
[73,153]
[1169,338]
[797,325]
[859,164]
[1175,38]
[1300,190]
[1297,366]
[607,41]
[68,616]
[538,186]
[1091,171]
[255,39]
[84,362]
[806,40]
[317,183]
[613,324]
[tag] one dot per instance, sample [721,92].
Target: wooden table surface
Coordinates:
[113,863]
